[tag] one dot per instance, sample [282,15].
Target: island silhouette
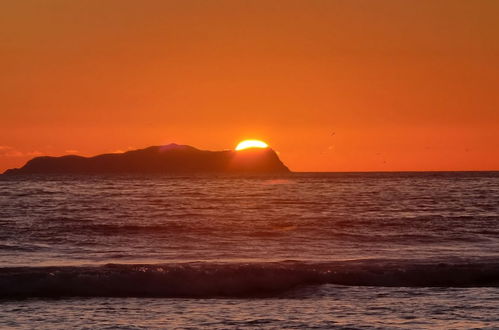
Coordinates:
[171,158]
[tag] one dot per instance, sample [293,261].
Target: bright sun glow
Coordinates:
[246,144]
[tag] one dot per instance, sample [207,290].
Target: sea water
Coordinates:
[300,250]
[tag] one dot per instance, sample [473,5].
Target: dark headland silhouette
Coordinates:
[172,158]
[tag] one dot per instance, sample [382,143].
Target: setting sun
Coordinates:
[246,144]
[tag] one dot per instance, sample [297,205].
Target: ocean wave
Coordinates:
[211,279]
[24,248]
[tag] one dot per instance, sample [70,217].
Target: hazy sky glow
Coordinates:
[331,85]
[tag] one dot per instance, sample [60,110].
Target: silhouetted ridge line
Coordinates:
[171,158]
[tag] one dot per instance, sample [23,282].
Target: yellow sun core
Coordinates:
[246,144]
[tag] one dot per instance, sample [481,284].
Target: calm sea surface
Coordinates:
[302,250]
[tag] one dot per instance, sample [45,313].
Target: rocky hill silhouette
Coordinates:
[172,158]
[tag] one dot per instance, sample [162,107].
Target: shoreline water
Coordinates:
[361,250]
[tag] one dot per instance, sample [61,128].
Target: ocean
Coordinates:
[298,250]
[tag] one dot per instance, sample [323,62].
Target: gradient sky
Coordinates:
[331,85]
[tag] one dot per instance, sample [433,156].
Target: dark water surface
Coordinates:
[408,250]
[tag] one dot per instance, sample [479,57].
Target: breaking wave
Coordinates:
[208,279]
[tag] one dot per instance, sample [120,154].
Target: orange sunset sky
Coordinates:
[331,85]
